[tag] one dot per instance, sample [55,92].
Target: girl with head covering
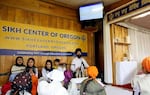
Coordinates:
[141,82]
[17,68]
[48,68]
[91,86]
[56,85]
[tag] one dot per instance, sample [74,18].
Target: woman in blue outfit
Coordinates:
[17,68]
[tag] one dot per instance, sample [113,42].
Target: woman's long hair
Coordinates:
[32,60]
[33,67]
[47,69]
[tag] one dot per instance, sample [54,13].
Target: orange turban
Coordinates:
[92,71]
[146,64]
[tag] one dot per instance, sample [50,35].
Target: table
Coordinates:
[125,71]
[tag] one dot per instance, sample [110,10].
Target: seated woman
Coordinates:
[22,83]
[25,83]
[31,64]
[91,86]
[48,68]
[17,68]
[141,82]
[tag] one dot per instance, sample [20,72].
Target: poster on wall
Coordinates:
[25,39]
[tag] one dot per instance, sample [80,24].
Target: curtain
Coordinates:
[140,44]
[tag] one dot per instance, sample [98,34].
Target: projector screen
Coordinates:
[91,12]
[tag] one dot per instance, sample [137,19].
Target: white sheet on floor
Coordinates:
[111,90]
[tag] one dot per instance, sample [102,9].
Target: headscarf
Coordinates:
[17,62]
[146,64]
[92,72]
[56,75]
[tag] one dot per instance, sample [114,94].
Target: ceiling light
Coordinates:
[141,15]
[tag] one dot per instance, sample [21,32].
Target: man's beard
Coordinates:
[79,56]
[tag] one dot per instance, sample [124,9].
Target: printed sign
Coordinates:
[127,9]
[25,39]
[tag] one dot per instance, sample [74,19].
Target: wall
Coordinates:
[109,57]
[119,45]
[99,50]
[39,13]
[116,5]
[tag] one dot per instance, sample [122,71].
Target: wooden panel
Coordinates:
[116,5]
[23,14]
[3,79]
[119,48]
[11,14]
[3,12]
[41,7]
[20,16]
[53,21]
[5,64]
[43,20]
[59,22]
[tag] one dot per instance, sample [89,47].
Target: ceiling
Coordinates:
[76,3]
[141,21]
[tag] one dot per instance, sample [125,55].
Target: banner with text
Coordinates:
[127,9]
[25,39]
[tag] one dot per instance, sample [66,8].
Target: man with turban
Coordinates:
[142,82]
[91,86]
[79,64]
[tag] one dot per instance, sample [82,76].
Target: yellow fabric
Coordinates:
[146,64]
[92,71]
[55,67]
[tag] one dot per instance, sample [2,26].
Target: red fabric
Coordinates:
[6,87]
[126,86]
[34,84]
